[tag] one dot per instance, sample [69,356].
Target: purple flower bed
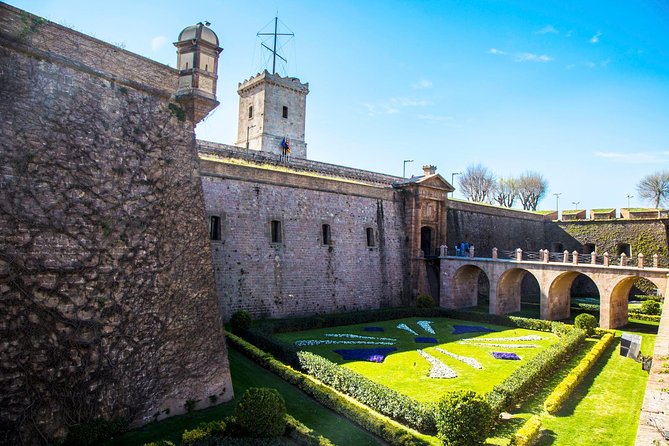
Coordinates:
[365,354]
[506,355]
[373,329]
[459,329]
[425,340]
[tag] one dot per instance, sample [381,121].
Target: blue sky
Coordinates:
[576,90]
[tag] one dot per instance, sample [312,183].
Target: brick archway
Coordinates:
[465,286]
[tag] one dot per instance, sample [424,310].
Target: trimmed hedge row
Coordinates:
[368,420]
[522,382]
[389,402]
[576,375]
[528,432]
[644,317]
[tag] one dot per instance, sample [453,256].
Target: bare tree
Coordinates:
[506,191]
[532,187]
[655,188]
[477,183]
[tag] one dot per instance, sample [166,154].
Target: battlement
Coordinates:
[291,83]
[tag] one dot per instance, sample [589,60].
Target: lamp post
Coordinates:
[453,179]
[557,203]
[248,129]
[404,167]
[628,200]
[575,203]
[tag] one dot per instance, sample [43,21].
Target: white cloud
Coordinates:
[522,57]
[635,157]
[392,106]
[595,38]
[434,118]
[421,84]
[157,43]
[548,29]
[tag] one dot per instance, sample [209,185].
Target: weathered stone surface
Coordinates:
[108,297]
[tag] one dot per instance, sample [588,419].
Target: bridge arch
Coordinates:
[614,309]
[508,290]
[556,303]
[465,286]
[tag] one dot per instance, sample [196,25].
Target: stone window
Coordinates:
[285,111]
[556,247]
[276,235]
[326,236]
[624,248]
[589,248]
[250,111]
[370,237]
[214,227]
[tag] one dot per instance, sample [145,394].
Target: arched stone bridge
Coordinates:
[459,284]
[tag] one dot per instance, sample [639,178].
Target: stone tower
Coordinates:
[197,62]
[271,108]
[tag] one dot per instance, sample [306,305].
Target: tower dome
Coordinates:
[199,32]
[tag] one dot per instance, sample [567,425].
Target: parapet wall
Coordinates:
[108,293]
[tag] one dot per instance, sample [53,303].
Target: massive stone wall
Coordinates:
[490,227]
[302,275]
[108,296]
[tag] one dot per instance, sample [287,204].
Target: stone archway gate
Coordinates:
[459,284]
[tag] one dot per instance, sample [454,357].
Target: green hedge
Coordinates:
[576,375]
[644,317]
[524,380]
[367,419]
[528,432]
[389,402]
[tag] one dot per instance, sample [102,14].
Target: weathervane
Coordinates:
[273,50]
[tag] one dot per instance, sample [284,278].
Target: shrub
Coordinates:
[528,432]
[240,321]
[586,322]
[463,418]
[563,390]
[262,412]
[651,307]
[303,435]
[159,443]
[560,329]
[366,418]
[377,396]
[94,432]
[425,301]
[203,431]
[522,382]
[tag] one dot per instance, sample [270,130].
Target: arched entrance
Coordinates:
[584,296]
[426,241]
[467,289]
[614,313]
[530,296]
[555,305]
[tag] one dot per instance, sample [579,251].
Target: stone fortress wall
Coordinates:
[108,294]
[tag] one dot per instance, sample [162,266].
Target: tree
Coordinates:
[655,188]
[532,187]
[477,183]
[506,191]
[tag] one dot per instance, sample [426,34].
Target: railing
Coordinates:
[573,258]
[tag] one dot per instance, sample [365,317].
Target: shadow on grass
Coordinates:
[640,327]
[546,438]
[506,428]
[583,388]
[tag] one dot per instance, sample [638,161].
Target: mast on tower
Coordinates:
[274,50]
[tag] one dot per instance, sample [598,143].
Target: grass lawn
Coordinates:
[247,374]
[604,409]
[407,372]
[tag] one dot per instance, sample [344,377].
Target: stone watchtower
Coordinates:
[271,108]
[197,62]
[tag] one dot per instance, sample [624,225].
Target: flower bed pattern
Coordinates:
[513,338]
[365,354]
[467,360]
[405,327]
[311,342]
[425,325]
[485,344]
[438,369]
[506,355]
[459,329]
[356,336]
[374,329]
[426,340]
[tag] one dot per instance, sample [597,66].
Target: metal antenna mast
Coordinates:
[275,34]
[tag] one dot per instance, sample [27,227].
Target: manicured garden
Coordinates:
[406,369]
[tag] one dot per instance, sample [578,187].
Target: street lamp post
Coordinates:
[248,129]
[453,174]
[628,200]
[575,203]
[557,203]
[404,167]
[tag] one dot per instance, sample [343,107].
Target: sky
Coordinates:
[575,90]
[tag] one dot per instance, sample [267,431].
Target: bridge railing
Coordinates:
[576,258]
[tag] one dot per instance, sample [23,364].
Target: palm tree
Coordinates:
[655,188]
